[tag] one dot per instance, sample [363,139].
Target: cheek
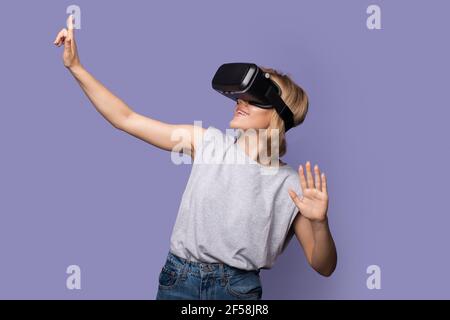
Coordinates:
[262,117]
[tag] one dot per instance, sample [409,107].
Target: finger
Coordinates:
[60,37]
[324,183]
[57,37]
[64,37]
[309,177]
[297,200]
[68,45]
[70,25]
[317,176]
[302,177]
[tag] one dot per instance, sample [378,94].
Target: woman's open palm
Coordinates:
[313,204]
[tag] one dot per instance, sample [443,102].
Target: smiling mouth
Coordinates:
[241,113]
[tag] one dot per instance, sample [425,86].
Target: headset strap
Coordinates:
[281,108]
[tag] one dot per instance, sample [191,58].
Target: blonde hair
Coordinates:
[295,98]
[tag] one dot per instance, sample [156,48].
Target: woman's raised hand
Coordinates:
[67,37]
[313,204]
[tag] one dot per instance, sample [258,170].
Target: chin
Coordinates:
[236,125]
[233,124]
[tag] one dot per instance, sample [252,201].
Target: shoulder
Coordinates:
[212,142]
[216,136]
[212,131]
[201,134]
[293,179]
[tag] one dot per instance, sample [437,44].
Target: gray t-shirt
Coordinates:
[234,210]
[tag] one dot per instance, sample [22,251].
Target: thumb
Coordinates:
[297,200]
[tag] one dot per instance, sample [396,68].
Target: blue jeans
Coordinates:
[181,279]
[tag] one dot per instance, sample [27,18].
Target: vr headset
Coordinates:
[246,81]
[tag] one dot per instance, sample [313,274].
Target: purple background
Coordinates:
[75,191]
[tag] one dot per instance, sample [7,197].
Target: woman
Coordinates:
[233,220]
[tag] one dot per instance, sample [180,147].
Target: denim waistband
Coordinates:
[197,267]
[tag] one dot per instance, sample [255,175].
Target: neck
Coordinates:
[254,144]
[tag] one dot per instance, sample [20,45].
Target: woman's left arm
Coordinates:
[311,224]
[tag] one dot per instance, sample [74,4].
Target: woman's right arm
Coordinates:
[115,111]
[160,134]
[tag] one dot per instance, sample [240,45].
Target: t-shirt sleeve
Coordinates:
[293,183]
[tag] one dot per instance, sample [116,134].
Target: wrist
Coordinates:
[76,68]
[319,224]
